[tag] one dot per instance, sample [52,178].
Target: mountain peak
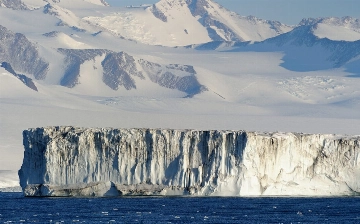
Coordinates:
[221,24]
[330,20]
[334,28]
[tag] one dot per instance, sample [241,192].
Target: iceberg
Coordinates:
[71,161]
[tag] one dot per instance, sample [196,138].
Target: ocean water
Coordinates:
[14,208]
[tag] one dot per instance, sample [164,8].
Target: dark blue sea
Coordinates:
[14,208]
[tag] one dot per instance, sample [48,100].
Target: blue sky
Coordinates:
[286,11]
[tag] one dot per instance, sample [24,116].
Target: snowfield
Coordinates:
[176,65]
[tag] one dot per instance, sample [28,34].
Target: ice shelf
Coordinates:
[70,161]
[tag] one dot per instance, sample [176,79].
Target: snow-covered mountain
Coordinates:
[120,69]
[346,28]
[33,4]
[104,66]
[223,24]
[23,55]
[13,4]
[184,22]
[321,49]
[74,45]
[307,47]
[66,17]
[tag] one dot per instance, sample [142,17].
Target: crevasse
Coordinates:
[70,161]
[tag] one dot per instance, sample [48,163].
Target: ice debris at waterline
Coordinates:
[70,161]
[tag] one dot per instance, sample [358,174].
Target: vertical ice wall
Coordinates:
[63,161]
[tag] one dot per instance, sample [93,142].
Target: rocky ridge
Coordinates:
[23,78]
[23,55]
[13,4]
[119,68]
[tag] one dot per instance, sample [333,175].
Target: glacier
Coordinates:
[71,161]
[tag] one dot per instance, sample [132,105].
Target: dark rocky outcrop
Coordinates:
[74,58]
[13,4]
[23,78]
[23,55]
[120,68]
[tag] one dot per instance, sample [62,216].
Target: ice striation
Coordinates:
[70,161]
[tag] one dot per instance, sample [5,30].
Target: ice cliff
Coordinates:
[69,161]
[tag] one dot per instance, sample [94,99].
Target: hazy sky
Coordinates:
[286,11]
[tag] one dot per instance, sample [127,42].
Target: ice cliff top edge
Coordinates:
[71,161]
[58,129]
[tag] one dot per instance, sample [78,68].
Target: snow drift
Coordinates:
[69,161]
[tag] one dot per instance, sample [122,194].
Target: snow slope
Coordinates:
[140,25]
[62,40]
[345,29]
[66,17]
[336,33]
[242,28]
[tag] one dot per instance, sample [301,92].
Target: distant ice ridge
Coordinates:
[69,161]
[341,29]
[9,181]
